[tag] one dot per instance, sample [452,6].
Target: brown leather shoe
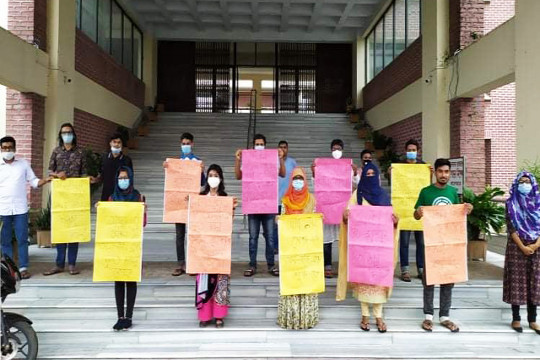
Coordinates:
[178,271]
[25,275]
[406,276]
[73,270]
[54,270]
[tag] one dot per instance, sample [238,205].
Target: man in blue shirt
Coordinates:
[290,164]
[187,143]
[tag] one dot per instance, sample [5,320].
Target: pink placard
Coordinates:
[333,187]
[260,171]
[371,245]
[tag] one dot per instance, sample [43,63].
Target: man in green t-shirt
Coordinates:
[439,193]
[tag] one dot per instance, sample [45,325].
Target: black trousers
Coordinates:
[180,243]
[531,313]
[327,252]
[120,288]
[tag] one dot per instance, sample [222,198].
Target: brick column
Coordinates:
[467,123]
[25,112]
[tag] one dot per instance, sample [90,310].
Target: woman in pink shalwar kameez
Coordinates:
[212,290]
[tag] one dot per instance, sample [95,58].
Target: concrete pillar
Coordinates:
[527,28]
[4,24]
[359,71]
[150,69]
[61,47]
[435,108]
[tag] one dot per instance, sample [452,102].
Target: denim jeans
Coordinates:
[20,223]
[276,233]
[72,250]
[254,223]
[404,237]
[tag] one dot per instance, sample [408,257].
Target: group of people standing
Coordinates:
[522,265]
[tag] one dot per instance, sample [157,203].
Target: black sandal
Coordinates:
[364,324]
[381,326]
[219,323]
[274,271]
[250,272]
[203,324]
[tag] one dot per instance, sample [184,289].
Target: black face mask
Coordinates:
[366,162]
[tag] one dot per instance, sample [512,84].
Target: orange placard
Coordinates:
[182,178]
[445,240]
[210,223]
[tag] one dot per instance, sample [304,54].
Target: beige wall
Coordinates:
[150,69]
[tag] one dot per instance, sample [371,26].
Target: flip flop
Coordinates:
[381,326]
[427,325]
[219,323]
[250,272]
[363,324]
[274,271]
[450,326]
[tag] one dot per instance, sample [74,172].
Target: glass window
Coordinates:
[137,52]
[104,24]
[116,38]
[413,20]
[370,49]
[399,27]
[379,47]
[389,36]
[78,14]
[89,18]
[127,48]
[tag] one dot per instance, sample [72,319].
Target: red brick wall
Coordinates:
[403,71]
[25,121]
[28,20]
[93,62]
[467,138]
[403,131]
[92,131]
[498,12]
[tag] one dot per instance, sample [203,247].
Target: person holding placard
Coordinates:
[331,231]
[186,142]
[213,290]
[124,191]
[439,193]
[255,221]
[298,311]
[521,284]
[67,161]
[368,193]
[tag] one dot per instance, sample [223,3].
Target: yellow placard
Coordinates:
[407,181]
[70,210]
[119,233]
[301,265]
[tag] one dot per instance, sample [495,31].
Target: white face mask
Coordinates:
[259,147]
[336,154]
[8,156]
[214,182]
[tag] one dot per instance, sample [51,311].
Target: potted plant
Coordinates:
[93,166]
[363,128]
[381,143]
[368,144]
[43,226]
[486,216]
[389,157]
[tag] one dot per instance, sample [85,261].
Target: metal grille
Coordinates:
[296,78]
[213,77]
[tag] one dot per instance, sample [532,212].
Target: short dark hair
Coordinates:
[259,136]
[8,139]
[337,142]
[187,136]
[364,152]
[61,141]
[412,142]
[281,142]
[117,135]
[442,162]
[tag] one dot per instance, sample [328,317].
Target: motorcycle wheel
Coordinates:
[23,336]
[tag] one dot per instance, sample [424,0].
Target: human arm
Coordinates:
[237,164]
[282,170]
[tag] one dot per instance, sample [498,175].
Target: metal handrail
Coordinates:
[252,122]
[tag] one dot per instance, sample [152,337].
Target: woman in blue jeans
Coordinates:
[67,161]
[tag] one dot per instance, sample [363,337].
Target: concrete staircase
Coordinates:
[217,137]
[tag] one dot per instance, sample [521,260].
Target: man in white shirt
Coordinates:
[14,174]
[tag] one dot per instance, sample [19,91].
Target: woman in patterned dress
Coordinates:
[298,311]
[369,193]
[521,284]
[213,290]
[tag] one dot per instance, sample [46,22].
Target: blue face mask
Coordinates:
[186,149]
[525,188]
[298,184]
[123,183]
[411,155]
[67,138]
[116,150]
